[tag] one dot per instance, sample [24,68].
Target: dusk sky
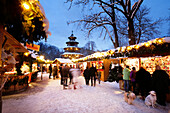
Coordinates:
[58,15]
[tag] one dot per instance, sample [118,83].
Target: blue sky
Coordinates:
[58,15]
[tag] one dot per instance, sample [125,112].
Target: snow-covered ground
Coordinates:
[48,96]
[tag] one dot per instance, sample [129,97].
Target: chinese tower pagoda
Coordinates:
[72,50]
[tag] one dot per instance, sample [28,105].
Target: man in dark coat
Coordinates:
[86,75]
[93,73]
[143,80]
[160,84]
[50,70]
[70,75]
[60,70]
[65,73]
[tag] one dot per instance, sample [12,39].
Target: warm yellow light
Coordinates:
[137,47]
[159,41]
[111,52]
[123,49]
[129,48]
[155,41]
[147,44]
[26,6]
[41,57]
[26,54]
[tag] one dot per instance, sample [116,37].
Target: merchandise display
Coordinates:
[131,62]
[150,62]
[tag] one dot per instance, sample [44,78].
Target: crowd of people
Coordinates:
[70,75]
[141,82]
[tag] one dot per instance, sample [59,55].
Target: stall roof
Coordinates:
[62,60]
[13,42]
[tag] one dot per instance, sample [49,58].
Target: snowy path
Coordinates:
[50,97]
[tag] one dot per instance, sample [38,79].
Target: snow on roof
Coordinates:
[62,60]
[167,39]
[71,53]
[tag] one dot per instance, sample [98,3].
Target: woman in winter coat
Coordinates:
[160,84]
[143,80]
[133,78]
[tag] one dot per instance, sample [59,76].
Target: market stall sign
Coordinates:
[33,47]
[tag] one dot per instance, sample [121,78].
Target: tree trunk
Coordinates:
[132,40]
[115,29]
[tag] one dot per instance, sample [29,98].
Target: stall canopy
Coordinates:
[9,39]
[62,60]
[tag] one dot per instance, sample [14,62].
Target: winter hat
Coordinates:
[152,93]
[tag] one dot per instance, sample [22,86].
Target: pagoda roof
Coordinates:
[72,36]
[72,47]
[72,42]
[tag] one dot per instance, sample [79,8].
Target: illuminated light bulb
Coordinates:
[155,41]
[41,57]
[26,6]
[129,48]
[123,49]
[137,47]
[26,54]
[159,41]
[147,44]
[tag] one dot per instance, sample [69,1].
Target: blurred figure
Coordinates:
[86,75]
[99,76]
[126,78]
[120,76]
[60,70]
[65,73]
[75,73]
[70,75]
[50,71]
[133,78]
[143,80]
[55,72]
[93,73]
[160,84]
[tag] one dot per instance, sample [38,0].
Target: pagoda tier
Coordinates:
[72,50]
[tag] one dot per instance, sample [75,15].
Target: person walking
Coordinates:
[70,75]
[133,79]
[120,76]
[65,73]
[143,81]
[86,75]
[160,84]
[93,72]
[126,78]
[50,71]
[55,72]
[75,73]
[60,70]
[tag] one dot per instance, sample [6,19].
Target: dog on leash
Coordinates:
[150,100]
[129,97]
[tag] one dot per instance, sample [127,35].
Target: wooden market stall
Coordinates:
[10,80]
